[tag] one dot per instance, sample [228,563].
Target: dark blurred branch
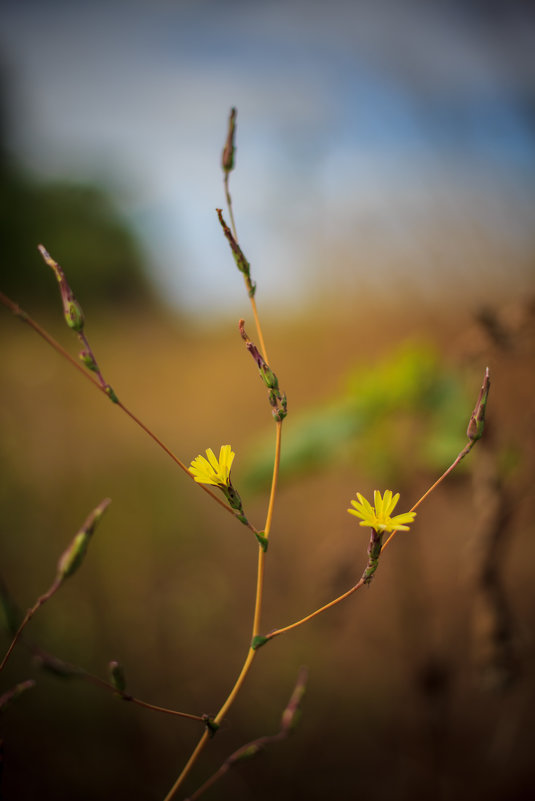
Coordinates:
[288,722]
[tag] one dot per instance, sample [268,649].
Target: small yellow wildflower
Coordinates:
[378,516]
[211,470]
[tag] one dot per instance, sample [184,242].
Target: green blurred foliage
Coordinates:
[81,228]
[402,414]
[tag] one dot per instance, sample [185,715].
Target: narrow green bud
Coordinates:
[477,419]
[247,752]
[88,360]
[73,556]
[292,713]
[111,394]
[56,666]
[241,262]
[277,399]
[72,311]
[233,497]
[227,157]
[117,676]
[74,315]
[258,642]
[374,552]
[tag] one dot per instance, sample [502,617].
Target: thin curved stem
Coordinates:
[466,450]
[177,461]
[228,198]
[251,296]
[28,616]
[188,766]
[267,529]
[98,682]
[468,447]
[22,315]
[259,330]
[324,608]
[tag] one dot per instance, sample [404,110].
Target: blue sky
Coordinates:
[362,125]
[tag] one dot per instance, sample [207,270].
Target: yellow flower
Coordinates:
[378,516]
[212,470]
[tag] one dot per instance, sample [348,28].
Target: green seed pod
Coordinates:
[111,394]
[74,315]
[117,676]
[73,556]
[88,360]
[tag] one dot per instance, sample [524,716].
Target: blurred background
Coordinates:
[384,195]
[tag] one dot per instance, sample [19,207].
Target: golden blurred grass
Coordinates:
[168,584]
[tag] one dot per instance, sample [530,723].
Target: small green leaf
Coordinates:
[262,540]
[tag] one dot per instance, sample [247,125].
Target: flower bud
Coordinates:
[477,419]
[88,360]
[73,557]
[117,676]
[227,157]
[72,311]
[246,752]
[57,667]
[277,399]
[291,714]
[241,262]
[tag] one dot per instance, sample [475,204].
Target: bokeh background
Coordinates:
[384,195]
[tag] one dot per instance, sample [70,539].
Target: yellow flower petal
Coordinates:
[212,470]
[378,516]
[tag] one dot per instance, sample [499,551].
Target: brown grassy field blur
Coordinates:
[421,686]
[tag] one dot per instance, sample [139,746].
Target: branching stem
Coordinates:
[251,653]
[465,451]
[102,386]
[467,448]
